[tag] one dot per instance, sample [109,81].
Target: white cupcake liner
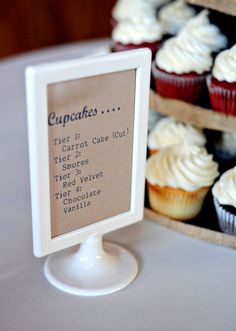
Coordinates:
[226,220]
[176,203]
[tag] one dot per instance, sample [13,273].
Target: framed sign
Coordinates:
[87,127]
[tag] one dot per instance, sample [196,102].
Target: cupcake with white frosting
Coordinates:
[183,62]
[173,16]
[206,35]
[222,83]
[131,10]
[180,71]
[133,34]
[224,194]
[178,180]
[169,132]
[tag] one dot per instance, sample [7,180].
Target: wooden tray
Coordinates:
[193,231]
[223,6]
[186,112]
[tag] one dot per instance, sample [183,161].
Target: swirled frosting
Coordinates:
[168,132]
[138,10]
[174,15]
[224,190]
[224,68]
[190,50]
[182,56]
[199,30]
[185,166]
[127,32]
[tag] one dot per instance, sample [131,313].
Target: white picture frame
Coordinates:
[37,79]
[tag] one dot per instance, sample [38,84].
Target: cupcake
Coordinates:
[184,61]
[180,71]
[173,16]
[200,30]
[225,150]
[131,10]
[169,132]
[178,180]
[129,35]
[224,195]
[222,83]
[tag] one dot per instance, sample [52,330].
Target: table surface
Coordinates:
[182,284]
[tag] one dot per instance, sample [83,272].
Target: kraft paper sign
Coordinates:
[90,132]
[87,127]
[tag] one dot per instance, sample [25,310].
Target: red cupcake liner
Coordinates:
[118,47]
[187,87]
[223,100]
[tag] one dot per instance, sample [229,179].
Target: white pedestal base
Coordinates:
[91,270]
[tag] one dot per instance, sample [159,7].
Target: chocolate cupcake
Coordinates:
[224,194]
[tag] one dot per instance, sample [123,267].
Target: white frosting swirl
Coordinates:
[137,10]
[127,32]
[227,143]
[191,49]
[201,31]
[174,15]
[224,68]
[185,166]
[182,56]
[224,190]
[168,132]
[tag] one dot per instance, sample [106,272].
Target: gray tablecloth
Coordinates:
[183,284]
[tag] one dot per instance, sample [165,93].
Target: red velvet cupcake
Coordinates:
[184,61]
[117,47]
[179,72]
[127,10]
[222,96]
[222,84]
[128,35]
[187,87]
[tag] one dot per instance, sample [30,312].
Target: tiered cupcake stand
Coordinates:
[203,118]
[223,6]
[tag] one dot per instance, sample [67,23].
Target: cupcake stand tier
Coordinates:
[203,118]
[191,114]
[223,6]
[190,230]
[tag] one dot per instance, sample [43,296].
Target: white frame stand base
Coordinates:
[96,268]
